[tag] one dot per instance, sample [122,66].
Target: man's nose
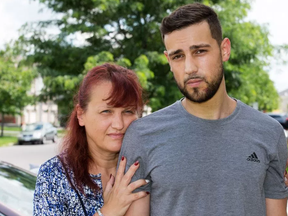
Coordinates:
[190,65]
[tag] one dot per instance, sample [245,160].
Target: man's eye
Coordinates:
[177,57]
[200,51]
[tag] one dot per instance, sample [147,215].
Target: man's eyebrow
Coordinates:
[199,46]
[175,52]
[191,48]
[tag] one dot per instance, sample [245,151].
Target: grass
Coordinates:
[61,131]
[5,140]
[12,128]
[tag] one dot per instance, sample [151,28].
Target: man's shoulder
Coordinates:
[159,114]
[155,122]
[257,116]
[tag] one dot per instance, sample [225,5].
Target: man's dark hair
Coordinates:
[191,14]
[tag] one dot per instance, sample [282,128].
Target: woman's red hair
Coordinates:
[126,92]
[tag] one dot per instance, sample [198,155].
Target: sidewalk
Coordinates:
[11,133]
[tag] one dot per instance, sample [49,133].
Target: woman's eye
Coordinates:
[106,111]
[130,111]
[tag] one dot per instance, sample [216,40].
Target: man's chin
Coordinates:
[196,96]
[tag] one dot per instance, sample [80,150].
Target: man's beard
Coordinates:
[199,96]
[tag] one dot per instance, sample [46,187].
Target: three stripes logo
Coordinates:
[253,157]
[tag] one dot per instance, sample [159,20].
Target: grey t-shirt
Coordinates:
[204,167]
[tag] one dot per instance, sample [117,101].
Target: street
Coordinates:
[26,155]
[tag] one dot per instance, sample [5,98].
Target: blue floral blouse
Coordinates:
[54,196]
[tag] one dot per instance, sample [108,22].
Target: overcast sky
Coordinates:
[14,13]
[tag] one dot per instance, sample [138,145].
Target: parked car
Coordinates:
[282,118]
[37,133]
[16,190]
[286,135]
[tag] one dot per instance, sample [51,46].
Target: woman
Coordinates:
[79,180]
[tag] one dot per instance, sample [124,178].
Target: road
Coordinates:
[26,155]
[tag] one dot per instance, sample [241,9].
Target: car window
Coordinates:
[38,127]
[17,189]
[32,127]
[274,116]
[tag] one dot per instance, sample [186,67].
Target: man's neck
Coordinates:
[218,107]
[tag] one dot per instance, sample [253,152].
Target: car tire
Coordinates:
[20,143]
[54,139]
[42,140]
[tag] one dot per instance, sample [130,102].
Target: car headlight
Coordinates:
[37,134]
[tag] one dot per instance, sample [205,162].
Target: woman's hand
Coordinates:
[118,197]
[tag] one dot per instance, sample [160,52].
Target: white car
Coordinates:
[37,133]
[16,190]
[286,134]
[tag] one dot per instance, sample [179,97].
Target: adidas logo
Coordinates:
[253,157]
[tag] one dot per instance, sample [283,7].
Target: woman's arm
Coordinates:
[48,194]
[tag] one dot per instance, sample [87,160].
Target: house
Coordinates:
[40,112]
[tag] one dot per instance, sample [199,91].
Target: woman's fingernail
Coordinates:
[147,192]
[147,181]
[136,163]
[122,158]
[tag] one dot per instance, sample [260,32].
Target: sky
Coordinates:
[272,13]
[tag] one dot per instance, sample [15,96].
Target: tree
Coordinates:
[129,31]
[15,83]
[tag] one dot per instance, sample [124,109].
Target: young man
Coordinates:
[207,154]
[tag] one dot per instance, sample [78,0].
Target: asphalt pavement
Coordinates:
[27,156]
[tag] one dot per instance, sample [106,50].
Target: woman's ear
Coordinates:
[80,114]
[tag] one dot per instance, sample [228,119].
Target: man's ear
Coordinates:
[225,49]
[80,113]
[167,57]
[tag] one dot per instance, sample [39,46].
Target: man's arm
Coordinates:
[140,207]
[276,207]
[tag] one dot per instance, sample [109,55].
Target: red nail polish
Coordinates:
[147,192]
[136,163]
[122,158]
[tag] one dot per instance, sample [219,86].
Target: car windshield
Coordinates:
[16,189]
[33,127]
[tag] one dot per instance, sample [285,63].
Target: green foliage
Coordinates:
[127,32]
[246,78]
[15,82]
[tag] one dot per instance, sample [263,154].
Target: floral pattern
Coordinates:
[54,195]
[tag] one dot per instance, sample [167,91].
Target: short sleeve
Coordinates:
[133,150]
[274,184]
[49,191]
